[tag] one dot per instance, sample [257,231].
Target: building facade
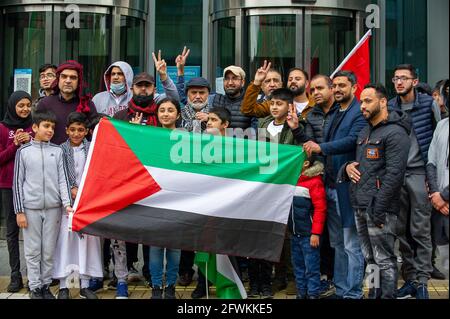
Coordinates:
[313,34]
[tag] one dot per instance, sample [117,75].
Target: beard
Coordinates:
[406,91]
[232,92]
[343,99]
[373,114]
[300,91]
[197,106]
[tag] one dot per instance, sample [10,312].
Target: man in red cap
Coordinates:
[67,98]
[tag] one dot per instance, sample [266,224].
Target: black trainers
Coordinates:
[266,292]
[86,293]
[199,292]
[46,293]
[437,274]
[169,292]
[253,292]
[15,285]
[36,294]
[157,292]
[64,293]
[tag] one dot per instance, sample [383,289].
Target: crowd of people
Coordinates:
[376,172]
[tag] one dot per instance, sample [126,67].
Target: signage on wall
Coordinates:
[189,73]
[22,80]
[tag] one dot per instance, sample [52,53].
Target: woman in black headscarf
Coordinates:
[15,130]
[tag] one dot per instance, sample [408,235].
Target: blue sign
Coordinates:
[189,73]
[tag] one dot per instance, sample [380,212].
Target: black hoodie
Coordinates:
[382,154]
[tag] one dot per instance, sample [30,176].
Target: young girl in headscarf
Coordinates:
[15,131]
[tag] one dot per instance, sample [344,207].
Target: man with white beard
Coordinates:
[195,114]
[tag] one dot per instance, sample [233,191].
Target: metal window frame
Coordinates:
[303,30]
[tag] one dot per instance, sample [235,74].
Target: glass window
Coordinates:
[332,38]
[225,35]
[406,37]
[90,45]
[271,37]
[179,24]
[24,48]
[132,34]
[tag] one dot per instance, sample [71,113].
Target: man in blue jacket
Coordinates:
[414,226]
[339,147]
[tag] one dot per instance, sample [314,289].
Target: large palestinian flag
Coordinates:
[187,191]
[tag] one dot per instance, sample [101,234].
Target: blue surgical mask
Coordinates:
[118,89]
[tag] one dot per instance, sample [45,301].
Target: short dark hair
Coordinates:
[283,94]
[40,116]
[92,123]
[300,70]
[276,71]
[438,86]
[312,159]
[223,114]
[348,74]
[408,67]
[76,117]
[325,77]
[47,66]
[169,100]
[379,88]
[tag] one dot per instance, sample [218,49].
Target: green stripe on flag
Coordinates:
[213,155]
[225,288]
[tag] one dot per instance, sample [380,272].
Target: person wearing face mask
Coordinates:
[118,81]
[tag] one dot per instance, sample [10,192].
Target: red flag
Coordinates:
[358,61]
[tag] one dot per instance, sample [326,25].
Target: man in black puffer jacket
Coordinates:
[377,176]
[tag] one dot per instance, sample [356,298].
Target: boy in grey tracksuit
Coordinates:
[40,192]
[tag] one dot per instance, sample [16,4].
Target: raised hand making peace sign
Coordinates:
[261,73]
[181,60]
[160,65]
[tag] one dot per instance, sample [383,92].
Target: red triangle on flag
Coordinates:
[121,183]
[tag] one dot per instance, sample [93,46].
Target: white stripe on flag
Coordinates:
[226,269]
[220,197]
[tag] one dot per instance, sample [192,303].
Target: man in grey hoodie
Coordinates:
[118,82]
[119,87]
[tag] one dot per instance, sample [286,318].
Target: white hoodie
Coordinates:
[107,102]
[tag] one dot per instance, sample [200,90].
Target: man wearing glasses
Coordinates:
[47,74]
[413,227]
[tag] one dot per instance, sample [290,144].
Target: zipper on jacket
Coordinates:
[43,171]
[293,219]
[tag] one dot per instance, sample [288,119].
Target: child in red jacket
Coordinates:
[306,223]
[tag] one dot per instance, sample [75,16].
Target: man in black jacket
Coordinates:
[377,176]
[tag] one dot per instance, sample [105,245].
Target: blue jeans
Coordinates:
[306,263]
[157,265]
[348,257]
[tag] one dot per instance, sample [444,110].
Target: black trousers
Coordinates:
[132,255]
[186,263]
[259,273]
[12,232]
[326,254]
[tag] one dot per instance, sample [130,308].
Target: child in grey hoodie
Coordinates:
[40,192]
